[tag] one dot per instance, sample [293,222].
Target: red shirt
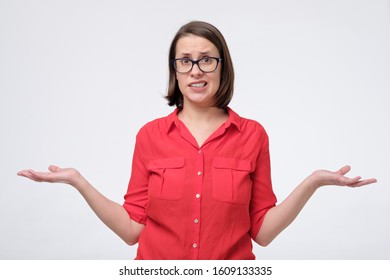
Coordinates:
[199,202]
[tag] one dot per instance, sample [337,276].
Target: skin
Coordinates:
[198,113]
[194,48]
[202,119]
[109,212]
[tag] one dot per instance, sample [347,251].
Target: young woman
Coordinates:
[200,186]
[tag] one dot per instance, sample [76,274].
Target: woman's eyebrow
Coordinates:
[201,53]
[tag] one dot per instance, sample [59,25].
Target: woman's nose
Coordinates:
[195,71]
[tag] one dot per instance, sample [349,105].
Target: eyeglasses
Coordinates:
[205,64]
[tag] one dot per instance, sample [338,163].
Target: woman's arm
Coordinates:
[282,215]
[111,213]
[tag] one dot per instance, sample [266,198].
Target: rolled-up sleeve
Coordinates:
[136,197]
[263,197]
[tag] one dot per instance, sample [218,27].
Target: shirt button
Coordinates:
[195,245]
[197,195]
[199,173]
[200,151]
[196,221]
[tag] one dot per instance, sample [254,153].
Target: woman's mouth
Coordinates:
[198,85]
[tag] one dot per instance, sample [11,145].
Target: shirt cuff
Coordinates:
[257,222]
[137,217]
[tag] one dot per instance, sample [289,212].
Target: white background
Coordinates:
[79,78]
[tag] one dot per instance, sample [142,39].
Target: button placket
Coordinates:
[196,202]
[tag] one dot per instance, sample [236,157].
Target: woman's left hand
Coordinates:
[338,178]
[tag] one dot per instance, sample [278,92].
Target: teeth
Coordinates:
[198,85]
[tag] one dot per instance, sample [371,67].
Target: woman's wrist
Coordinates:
[77,181]
[314,181]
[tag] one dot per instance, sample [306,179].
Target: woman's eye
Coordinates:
[206,60]
[185,61]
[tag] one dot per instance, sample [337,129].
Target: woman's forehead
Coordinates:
[192,44]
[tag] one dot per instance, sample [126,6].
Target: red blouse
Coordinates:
[199,202]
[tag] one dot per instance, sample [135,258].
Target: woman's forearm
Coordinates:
[282,215]
[279,217]
[110,213]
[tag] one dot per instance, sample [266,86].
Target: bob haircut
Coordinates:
[205,30]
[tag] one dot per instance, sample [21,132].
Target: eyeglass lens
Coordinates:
[207,64]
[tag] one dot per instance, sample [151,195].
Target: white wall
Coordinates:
[79,78]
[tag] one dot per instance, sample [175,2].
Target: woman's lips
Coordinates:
[198,85]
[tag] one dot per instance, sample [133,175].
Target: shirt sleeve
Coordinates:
[136,197]
[263,197]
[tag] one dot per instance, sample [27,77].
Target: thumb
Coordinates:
[344,170]
[54,168]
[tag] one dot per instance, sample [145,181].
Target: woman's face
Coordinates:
[198,88]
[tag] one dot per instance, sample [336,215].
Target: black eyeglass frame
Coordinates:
[218,59]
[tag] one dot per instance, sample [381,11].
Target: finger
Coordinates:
[363,183]
[42,176]
[344,170]
[23,173]
[35,176]
[30,174]
[351,181]
[27,174]
[54,168]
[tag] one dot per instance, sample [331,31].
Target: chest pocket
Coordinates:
[167,177]
[231,180]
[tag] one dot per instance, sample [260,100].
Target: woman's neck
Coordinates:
[202,122]
[201,115]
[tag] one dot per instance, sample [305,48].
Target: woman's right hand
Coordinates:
[111,213]
[56,175]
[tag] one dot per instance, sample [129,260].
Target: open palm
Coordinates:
[338,178]
[55,175]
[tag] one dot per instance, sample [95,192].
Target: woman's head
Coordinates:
[209,35]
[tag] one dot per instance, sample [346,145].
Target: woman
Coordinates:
[200,186]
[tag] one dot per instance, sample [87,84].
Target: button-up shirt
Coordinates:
[199,202]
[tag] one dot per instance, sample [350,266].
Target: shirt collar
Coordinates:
[172,120]
[234,120]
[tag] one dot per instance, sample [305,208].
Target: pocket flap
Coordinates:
[232,163]
[166,163]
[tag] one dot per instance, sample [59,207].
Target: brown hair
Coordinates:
[205,30]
